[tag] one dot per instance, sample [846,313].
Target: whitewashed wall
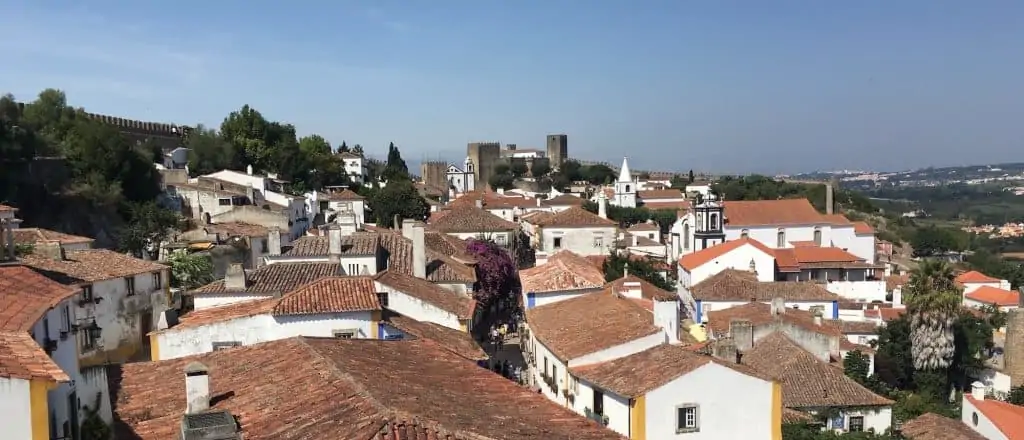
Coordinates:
[418,309]
[65,356]
[705,306]
[120,315]
[15,410]
[578,240]
[866,291]
[207,300]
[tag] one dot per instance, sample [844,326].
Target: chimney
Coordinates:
[407,225]
[817,319]
[978,391]
[274,241]
[197,388]
[602,205]
[248,169]
[334,244]
[742,333]
[480,203]
[778,306]
[419,252]
[501,191]
[234,277]
[250,193]
[398,222]
[538,201]
[50,249]
[829,199]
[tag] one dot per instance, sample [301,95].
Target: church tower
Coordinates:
[625,187]
[709,219]
[467,174]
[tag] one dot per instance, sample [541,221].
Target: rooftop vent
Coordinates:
[210,425]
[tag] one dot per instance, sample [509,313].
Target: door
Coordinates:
[73,416]
[145,326]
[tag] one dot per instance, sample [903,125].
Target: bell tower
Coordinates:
[708,228]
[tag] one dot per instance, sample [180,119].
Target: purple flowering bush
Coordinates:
[495,271]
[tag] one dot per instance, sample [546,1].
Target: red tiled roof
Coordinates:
[975,277]
[278,278]
[647,290]
[894,281]
[785,259]
[823,255]
[655,194]
[993,295]
[320,388]
[588,323]
[760,314]
[91,265]
[862,228]
[452,302]
[460,343]
[238,229]
[563,271]
[635,375]
[658,263]
[38,235]
[26,296]
[563,200]
[644,227]
[357,244]
[1008,418]
[807,243]
[931,426]
[734,285]
[772,213]
[574,217]
[675,205]
[22,358]
[836,219]
[885,313]
[330,295]
[440,267]
[470,219]
[704,256]
[343,195]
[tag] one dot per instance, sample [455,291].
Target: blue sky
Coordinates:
[724,86]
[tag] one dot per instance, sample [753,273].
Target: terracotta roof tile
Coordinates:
[309,388]
[647,290]
[836,219]
[278,278]
[38,235]
[449,245]
[975,277]
[444,299]
[993,295]
[658,263]
[733,285]
[806,381]
[674,205]
[563,271]
[811,255]
[848,345]
[862,228]
[440,268]
[654,194]
[1008,418]
[563,200]
[894,281]
[357,244]
[785,260]
[856,327]
[574,327]
[22,358]
[460,343]
[885,313]
[635,375]
[760,314]
[26,296]
[794,416]
[471,219]
[644,227]
[808,243]
[783,212]
[88,266]
[704,256]
[931,426]
[223,313]
[343,195]
[330,295]
[238,229]
[491,200]
[574,217]
[536,217]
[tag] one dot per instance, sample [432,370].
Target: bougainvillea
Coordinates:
[495,272]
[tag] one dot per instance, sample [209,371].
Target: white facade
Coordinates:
[703,189]
[56,326]
[625,187]
[294,207]
[16,408]
[207,300]
[594,240]
[355,166]
[878,419]
[121,315]
[970,286]
[461,180]
[537,299]
[737,259]
[830,309]
[318,202]
[418,309]
[862,290]
[179,342]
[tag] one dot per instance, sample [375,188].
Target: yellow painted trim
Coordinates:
[464,325]
[776,411]
[638,418]
[375,318]
[154,347]
[39,409]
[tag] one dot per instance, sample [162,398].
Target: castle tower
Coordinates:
[625,187]
[708,228]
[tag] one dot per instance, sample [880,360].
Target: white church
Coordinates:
[461,181]
[625,187]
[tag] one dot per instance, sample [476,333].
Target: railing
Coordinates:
[597,417]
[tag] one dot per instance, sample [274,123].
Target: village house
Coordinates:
[425,301]
[561,202]
[731,288]
[272,280]
[991,418]
[775,223]
[669,391]
[27,376]
[467,221]
[565,275]
[252,243]
[594,328]
[574,229]
[640,244]
[657,199]
[323,205]
[649,230]
[358,253]
[354,166]
[504,205]
[121,296]
[34,236]
[302,388]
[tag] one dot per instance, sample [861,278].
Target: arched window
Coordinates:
[780,240]
[745,233]
[686,236]
[713,222]
[817,235]
[627,188]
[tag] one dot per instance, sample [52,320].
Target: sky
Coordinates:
[719,86]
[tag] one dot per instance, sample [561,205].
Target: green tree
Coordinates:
[148,225]
[1016,395]
[856,366]
[400,198]
[691,177]
[933,240]
[357,149]
[314,146]
[679,182]
[208,152]
[615,267]
[572,170]
[395,167]
[502,181]
[93,427]
[343,148]
[541,167]
[933,303]
[518,168]
[190,271]
[598,174]
[247,131]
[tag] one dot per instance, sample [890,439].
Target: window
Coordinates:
[817,236]
[346,334]
[382,297]
[65,317]
[713,223]
[558,242]
[815,274]
[687,418]
[353,269]
[598,402]
[89,339]
[224,202]
[599,241]
[745,233]
[129,285]
[545,365]
[87,293]
[817,310]
[554,374]
[862,340]
[856,423]
[499,239]
[264,246]
[217,346]
[651,236]
[157,281]
[627,188]
[780,239]
[686,236]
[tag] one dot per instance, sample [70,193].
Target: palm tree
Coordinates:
[933,303]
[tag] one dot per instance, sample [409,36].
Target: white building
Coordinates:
[461,181]
[625,187]
[267,282]
[730,288]
[974,280]
[335,205]
[270,190]
[778,224]
[355,166]
[574,229]
[989,417]
[565,275]
[467,221]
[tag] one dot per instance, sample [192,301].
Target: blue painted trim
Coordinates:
[699,312]
[380,330]
[835,309]
[531,300]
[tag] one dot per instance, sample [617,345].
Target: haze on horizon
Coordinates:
[723,86]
